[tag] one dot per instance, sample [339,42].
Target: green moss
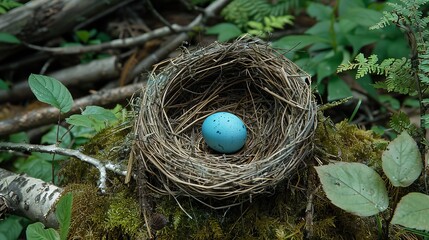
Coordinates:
[123,214]
[346,142]
[280,215]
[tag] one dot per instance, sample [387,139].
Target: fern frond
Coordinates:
[400,122]
[240,12]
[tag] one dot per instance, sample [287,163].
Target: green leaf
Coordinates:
[11,227]
[63,213]
[51,136]
[8,38]
[3,85]
[297,42]
[225,31]
[413,211]
[354,187]
[338,89]
[402,162]
[320,11]
[93,117]
[37,231]
[83,36]
[51,91]
[362,16]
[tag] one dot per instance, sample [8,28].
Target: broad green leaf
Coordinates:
[338,89]
[354,187]
[363,16]
[225,31]
[51,91]
[413,211]
[93,117]
[37,231]
[320,11]
[402,161]
[99,113]
[8,38]
[63,213]
[297,42]
[11,227]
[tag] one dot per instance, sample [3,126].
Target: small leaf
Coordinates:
[51,91]
[354,187]
[3,85]
[63,213]
[402,162]
[37,231]
[225,31]
[413,211]
[338,89]
[8,38]
[93,117]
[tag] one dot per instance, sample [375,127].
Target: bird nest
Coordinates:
[248,78]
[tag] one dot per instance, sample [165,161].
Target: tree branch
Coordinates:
[24,147]
[83,73]
[30,197]
[48,115]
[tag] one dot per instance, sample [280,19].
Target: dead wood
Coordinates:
[29,197]
[107,68]
[49,115]
[40,20]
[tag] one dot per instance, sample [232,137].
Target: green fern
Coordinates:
[6,5]
[398,72]
[261,29]
[400,122]
[240,12]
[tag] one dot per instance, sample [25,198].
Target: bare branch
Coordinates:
[117,43]
[48,115]
[138,40]
[24,147]
[83,73]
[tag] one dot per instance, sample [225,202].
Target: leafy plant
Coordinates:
[403,75]
[356,188]
[6,5]
[88,37]
[254,17]
[63,213]
[340,33]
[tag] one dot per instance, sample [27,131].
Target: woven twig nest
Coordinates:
[247,78]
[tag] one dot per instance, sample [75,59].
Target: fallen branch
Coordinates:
[117,43]
[39,20]
[48,115]
[24,147]
[83,73]
[29,197]
[138,40]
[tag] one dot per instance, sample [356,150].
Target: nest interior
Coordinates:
[248,78]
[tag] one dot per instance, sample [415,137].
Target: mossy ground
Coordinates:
[279,215]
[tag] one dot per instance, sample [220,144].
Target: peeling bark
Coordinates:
[30,197]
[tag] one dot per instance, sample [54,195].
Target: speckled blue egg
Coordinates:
[224,132]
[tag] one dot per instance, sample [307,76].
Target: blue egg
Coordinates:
[224,132]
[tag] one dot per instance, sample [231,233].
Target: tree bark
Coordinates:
[48,115]
[30,197]
[107,68]
[39,20]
